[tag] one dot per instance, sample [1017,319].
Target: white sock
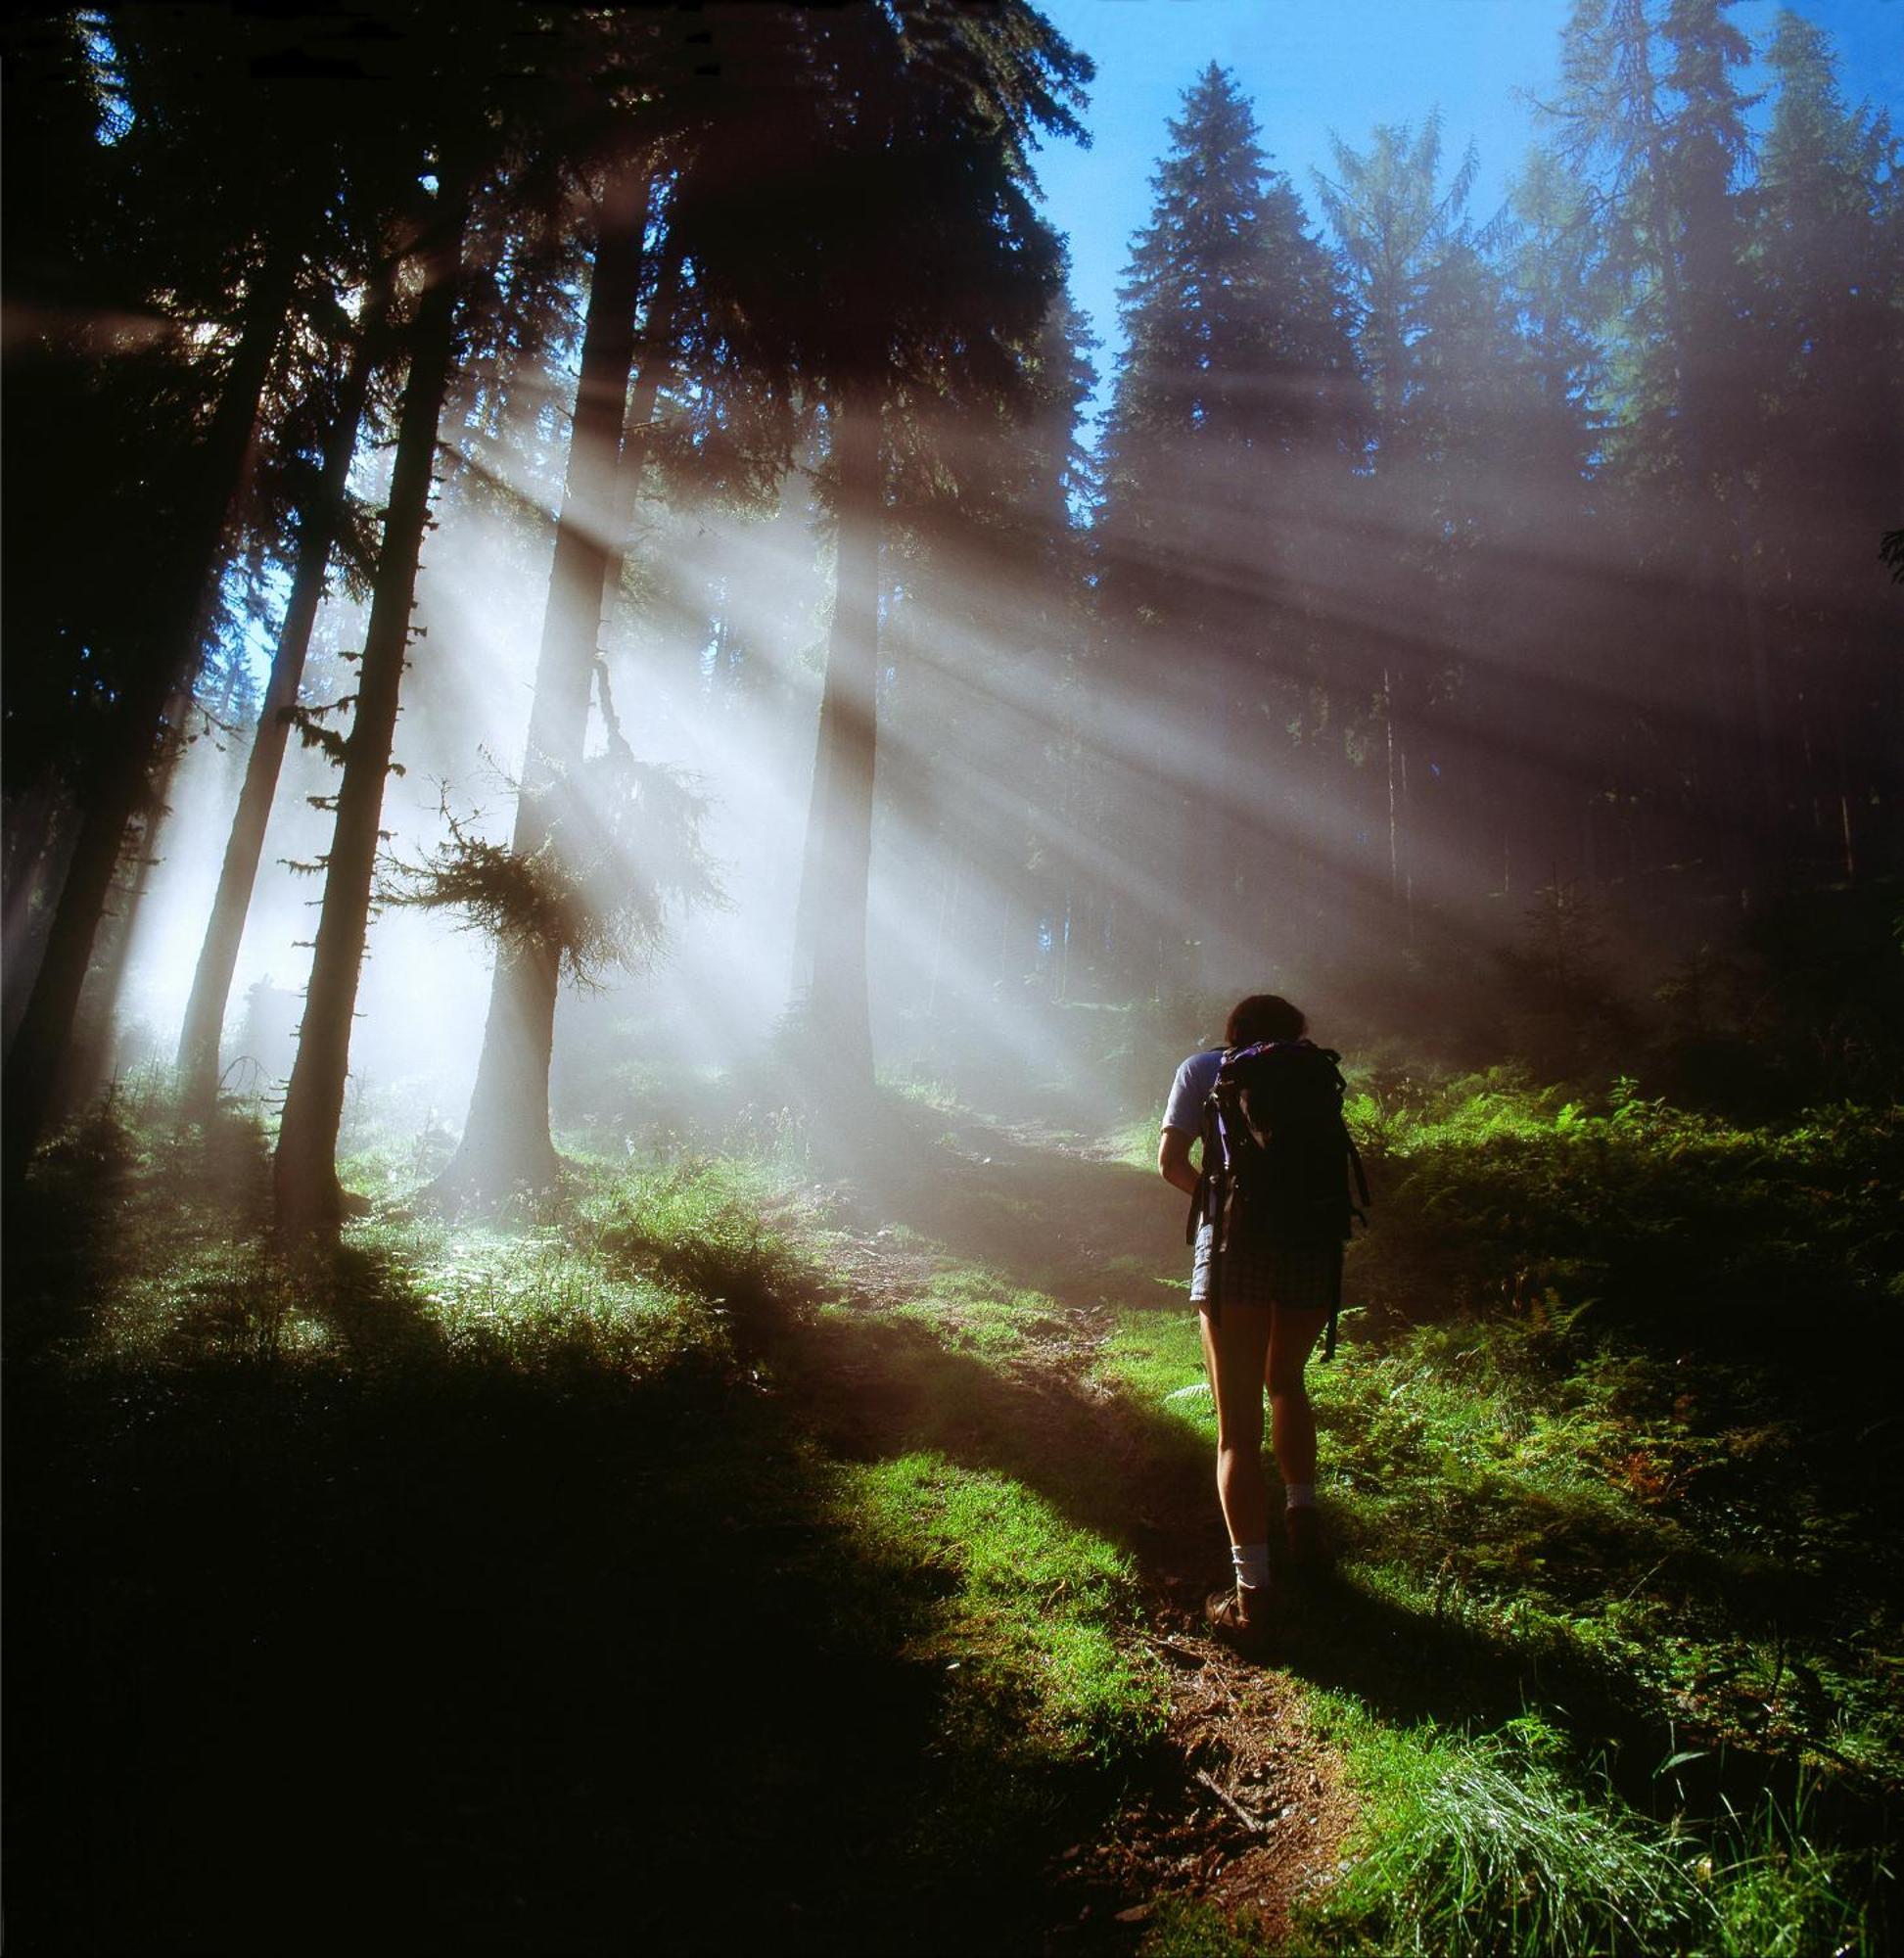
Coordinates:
[1253,1562]
[1299,1495]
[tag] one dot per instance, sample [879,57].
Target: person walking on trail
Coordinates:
[1269,1207]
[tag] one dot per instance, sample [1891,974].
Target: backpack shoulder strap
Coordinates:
[1206,1199]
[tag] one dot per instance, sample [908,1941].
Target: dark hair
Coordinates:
[1263,1016]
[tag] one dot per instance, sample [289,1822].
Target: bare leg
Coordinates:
[1292,1422]
[1236,1350]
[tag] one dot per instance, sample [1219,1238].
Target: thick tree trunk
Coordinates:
[122,777]
[204,1011]
[309,1197]
[506,1142]
[843,778]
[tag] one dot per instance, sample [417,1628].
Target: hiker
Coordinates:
[1267,1282]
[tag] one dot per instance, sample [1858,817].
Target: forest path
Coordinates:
[984,1280]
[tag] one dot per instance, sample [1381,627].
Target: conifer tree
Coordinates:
[506,1139]
[321,519]
[1651,114]
[1829,256]
[220,204]
[308,1196]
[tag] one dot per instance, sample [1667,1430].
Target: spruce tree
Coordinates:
[1651,114]
[1829,254]
[506,1142]
[322,517]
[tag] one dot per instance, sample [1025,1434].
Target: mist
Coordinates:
[701,707]
[1324,635]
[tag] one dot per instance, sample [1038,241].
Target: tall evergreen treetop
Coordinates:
[1225,289]
[1397,225]
[872,218]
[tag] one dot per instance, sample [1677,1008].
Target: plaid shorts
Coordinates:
[1298,1278]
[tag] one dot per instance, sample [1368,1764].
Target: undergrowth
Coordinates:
[1614,1405]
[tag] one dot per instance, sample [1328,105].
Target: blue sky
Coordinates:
[1313,65]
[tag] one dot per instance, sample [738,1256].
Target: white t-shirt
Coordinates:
[1191,1089]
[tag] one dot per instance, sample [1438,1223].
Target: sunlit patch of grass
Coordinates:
[1024,1629]
[208,1302]
[924,1091]
[189,1276]
[970,1310]
[531,1302]
[699,1222]
[1157,1359]
[1495,1845]
[1135,1142]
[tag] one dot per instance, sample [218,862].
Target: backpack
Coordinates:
[1278,1157]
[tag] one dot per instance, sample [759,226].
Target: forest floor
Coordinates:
[738,1551]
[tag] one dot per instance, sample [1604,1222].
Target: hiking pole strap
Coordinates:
[1197,1200]
[1361,1175]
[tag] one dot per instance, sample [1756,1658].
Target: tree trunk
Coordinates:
[40,842]
[843,779]
[123,775]
[309,1197]
[506,1142]
[91,1053]
[204,1011]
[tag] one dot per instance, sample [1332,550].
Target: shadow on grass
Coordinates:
[386,1642]
[388,1648]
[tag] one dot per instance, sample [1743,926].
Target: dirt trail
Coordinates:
[1244,1805]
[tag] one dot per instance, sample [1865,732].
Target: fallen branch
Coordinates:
[1182,1654]
[1250,1822]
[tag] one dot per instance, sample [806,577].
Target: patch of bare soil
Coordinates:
[1246,1811]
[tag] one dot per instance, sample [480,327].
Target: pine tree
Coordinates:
[308,1195]
[322,517]
[506,1141]
[221,200]
[1829,254]
[1650,113]
[1429,330]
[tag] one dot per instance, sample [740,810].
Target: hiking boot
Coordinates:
[1302,1531]
[1239,1616]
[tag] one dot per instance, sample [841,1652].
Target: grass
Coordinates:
[1615,1666]
[487,1528]
[1506,1842]
[968,1309]
[1028,1613]
[1574,1441]
[1493,1845]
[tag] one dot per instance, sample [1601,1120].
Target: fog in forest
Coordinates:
[1468,622]
[664,667]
